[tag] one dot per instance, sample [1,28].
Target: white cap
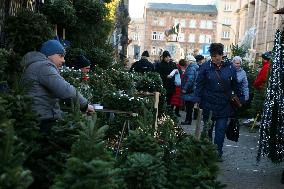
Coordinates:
[190,58]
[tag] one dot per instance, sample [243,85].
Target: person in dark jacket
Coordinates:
[143,65]
[164,69]
[216,82]
[84,64]
[46,85]
[199,59]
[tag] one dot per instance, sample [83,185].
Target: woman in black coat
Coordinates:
[164,68]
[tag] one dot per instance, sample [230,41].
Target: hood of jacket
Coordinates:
[193,65]
[32,57]
[240,69]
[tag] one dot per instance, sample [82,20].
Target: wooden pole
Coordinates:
[198,124]
[55,29]
[156,106]
[63,35]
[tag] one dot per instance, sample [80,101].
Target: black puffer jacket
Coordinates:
[164,69]
[142,66]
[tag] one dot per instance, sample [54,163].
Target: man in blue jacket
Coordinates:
[216,83]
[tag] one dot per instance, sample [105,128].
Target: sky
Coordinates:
[136,7]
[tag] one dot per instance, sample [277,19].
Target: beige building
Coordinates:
[226,23]
[136,33]
[197,28]
[260,14]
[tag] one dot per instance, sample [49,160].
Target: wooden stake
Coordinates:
[63,35]
[156,106]
[198,124]
[55,29]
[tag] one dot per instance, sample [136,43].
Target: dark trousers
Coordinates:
[46,125]
[41,156]
[169,97]
[220,125]
[189,109]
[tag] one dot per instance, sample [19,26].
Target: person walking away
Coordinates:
[216,82]
[46,86]
[241,76]
[164,69]
[143,65]
[188,85]
[176,100]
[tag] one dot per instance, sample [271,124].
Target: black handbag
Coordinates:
[233,129]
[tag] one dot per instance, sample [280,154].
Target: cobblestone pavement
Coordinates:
[239,170]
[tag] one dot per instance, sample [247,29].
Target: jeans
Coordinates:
[220,128]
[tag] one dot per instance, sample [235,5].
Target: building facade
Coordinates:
[197,28]
[226,23]
[260,15]
[136,31]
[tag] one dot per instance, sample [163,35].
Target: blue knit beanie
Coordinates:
[52,47]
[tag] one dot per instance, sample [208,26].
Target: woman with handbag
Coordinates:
[216,81]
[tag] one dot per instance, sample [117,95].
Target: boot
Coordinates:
[177,112]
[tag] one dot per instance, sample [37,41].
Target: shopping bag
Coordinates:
[232,131]
[177,79]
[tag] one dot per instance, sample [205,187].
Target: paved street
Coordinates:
[240,169]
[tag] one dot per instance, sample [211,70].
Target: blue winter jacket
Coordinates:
[242,79]
[188,82]
[214,95]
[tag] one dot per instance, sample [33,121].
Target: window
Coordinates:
[155,21]
[182,23]
[209,24]
[206,24]
[161,21]
[154,35]
[191,38]
[161,36]
[192,24]
[227,21]
[208,39]
[176,21]
[226,34]
[181,37]
[136,37]
[202,38]
[203,24]
[153,51]
[228,7]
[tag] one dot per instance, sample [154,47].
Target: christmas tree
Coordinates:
[271,141]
